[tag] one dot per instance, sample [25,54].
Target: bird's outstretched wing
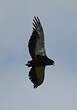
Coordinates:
[36,42]
[36,75]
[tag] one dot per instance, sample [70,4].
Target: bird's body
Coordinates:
[37,51]
[40,61]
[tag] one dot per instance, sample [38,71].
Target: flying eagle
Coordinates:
[38,54]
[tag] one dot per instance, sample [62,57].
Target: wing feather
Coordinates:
[36,42]
[36,75]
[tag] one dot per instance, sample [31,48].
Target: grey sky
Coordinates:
[59,20]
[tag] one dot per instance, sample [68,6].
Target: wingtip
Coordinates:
[36,18]
[35,22]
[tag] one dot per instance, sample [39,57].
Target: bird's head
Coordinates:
[51,62]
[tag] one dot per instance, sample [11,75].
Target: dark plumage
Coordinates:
[38,54]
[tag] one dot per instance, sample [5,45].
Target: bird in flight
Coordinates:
[37,52]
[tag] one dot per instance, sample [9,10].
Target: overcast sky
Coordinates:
[59,21]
